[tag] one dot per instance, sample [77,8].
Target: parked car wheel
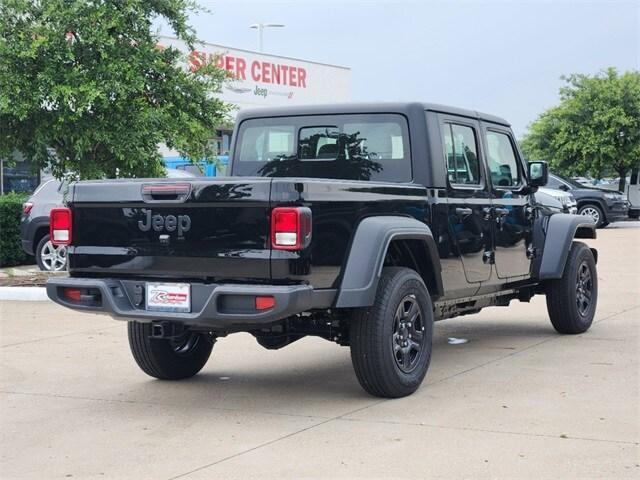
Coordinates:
[391,341]
[169,359]
[572,299]
[50,258]
[594,212]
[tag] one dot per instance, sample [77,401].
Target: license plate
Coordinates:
[168,297]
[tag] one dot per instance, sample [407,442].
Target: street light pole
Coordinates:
[260,37]
[260,27]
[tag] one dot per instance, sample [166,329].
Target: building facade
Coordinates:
[260,80]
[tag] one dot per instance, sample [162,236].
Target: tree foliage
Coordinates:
[11,252]
[85,88]
[595,129]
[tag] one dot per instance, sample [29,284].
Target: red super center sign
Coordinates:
[256,70]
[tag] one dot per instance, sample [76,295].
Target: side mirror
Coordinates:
[538,174]
[563,187]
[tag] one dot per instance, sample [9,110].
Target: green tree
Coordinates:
[594,130]
[85,88]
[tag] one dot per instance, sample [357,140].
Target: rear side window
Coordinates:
[264,144]
[461,152]
[554,183]
[502,160]
[352,147]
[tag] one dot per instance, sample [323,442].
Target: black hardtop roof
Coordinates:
[368,107]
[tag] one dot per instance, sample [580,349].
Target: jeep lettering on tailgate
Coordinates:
[169,223]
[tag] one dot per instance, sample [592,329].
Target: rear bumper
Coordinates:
[220,307]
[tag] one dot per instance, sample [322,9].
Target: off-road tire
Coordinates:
[602,221]
[563,294]
[372,336]
[162,358]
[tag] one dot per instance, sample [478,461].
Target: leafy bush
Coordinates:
[11,252]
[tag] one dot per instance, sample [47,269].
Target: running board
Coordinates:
[473,304]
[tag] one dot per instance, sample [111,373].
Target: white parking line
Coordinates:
[24,294]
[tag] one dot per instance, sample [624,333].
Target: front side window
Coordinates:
[353,147]
[461,153]
[502,160]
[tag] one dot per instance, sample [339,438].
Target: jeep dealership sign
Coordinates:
[261,80]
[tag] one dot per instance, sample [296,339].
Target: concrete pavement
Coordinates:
[517,400]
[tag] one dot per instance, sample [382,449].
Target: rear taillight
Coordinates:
[60,226]
[265,303]
[26,207]
[73,294]
[290,228]
[86,296]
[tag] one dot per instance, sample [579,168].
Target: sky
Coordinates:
[496,56]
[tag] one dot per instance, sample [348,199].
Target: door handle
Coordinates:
[463,211]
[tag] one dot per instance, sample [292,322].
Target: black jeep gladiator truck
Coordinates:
[361,223]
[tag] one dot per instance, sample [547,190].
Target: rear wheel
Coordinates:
[594,212]
[169,359]
[50,258]
[391,341]
[572,299]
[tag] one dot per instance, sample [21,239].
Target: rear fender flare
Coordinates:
[37,224]
[561,230]
[367,253]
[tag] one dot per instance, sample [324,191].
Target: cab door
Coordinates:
[468,198]
[512,216]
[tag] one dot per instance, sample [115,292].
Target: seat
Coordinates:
[328,150]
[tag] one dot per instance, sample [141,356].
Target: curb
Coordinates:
[24,294]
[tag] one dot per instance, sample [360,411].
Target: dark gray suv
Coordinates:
[604,206]
[34,226]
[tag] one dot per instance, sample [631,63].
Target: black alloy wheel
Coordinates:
[408,334]
[584,288]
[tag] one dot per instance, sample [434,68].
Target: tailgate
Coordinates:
[200,228]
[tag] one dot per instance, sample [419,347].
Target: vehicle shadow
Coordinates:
[313,377]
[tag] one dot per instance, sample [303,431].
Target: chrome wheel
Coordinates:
[408,334]
[54,258]
[584,288]
[591,212]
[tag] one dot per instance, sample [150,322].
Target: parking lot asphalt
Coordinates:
[517,400]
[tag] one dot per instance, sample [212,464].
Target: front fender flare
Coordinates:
[367,253]
[561,230]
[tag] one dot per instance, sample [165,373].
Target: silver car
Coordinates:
[557,200]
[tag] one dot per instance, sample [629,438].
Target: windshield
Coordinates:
[352,147]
